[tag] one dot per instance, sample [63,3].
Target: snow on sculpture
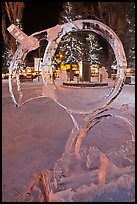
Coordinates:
[72,176]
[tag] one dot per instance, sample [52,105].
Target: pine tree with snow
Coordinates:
[120,17]
[71,11]
[78,46]
[130,17]
[6,58]
[91,49]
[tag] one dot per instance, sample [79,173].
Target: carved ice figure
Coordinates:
[54,36]
[72,170]
[103,75]
[53,32]
[68,27]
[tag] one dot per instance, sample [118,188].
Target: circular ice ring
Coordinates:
[54,36]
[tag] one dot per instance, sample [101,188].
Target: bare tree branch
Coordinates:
[11,11]
[8,11]
[11,7]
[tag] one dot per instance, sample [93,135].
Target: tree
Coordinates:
[120,17]
[90,49]
[11,14]
[130,17]
[71,11]
[6,56]
[78,46]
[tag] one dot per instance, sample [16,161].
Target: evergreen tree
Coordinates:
[75,43]
[90,49]
[130,17]
[6,57]
[120,17]
[71,47]
[78,46]
[71,11]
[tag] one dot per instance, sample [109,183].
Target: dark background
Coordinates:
[38,16]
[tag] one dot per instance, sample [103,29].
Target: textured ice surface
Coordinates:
[95,165]
[103,170]
[54,35]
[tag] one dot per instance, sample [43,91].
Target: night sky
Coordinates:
[38,16]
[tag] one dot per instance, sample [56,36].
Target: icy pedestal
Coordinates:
[101,169]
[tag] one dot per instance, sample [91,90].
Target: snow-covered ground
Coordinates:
[34,138]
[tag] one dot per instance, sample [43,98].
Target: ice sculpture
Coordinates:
[81,170]
[53,36]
